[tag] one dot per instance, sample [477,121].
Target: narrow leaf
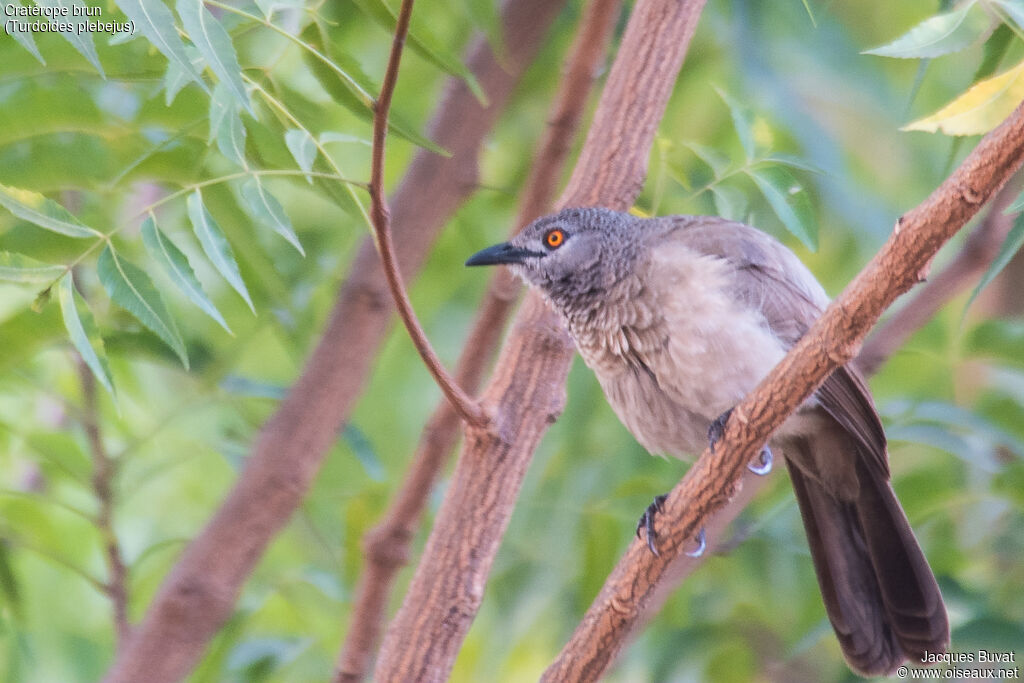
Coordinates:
[46,213]
[175,264]
[729,202]
[350,87]
[334,136]
[80,41]
[26,40]
[175,78]
[1011,245]
[938,35]
[216,246]
[424,45]
[214,43]
[83,332]
[715,160]
[18,268]
[156,21]
[789,201]
[742,121]
[1014,9]
[268,211]
[980,109]
[131,289]
[231,137]
[993,52]
[222,105]
[300,143]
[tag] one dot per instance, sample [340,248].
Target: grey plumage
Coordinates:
[680,317]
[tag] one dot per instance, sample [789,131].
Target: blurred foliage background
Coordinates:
[778,119]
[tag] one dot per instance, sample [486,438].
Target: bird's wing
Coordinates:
[771,279]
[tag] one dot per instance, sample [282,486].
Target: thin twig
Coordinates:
[465,406]
[387,545]
[103,472]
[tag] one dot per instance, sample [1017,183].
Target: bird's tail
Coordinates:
[878,589]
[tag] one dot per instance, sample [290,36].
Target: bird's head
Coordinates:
[572,255]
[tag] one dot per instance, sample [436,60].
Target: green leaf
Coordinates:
[231,137]
[175,264]
[789,201]
[46,213]
[131,289]
[1011,245]
[1014,9]
[26,40]
[303,148]
[82,330]
[715,160]
[216,246]
[938,35]
[330,136]
[729,202]
[175,78]
[424,45]
[268,211]
[742,121]
[18,268]
[156,21]
[993,52]
[352,90]
[214,44]
[80,41]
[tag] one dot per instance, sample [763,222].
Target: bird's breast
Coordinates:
[670,363]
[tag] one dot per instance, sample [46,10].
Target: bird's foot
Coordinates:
[717,429]
[763,463]
[647,522]
[702,544]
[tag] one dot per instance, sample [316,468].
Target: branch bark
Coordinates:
[833,340]
[387,545]
[200,591]
[528,388]
[103,472]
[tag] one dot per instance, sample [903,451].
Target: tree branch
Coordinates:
[832,341]
[199,593]
[387,545]
[103,472]
[528,387]
[466,407]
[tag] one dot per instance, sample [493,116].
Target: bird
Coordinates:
[679,317]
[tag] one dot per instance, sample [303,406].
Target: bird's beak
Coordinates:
[503,253]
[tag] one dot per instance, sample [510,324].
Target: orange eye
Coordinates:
[554,238]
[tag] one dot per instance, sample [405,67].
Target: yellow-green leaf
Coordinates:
[46,213]
[980,109]
[19,268]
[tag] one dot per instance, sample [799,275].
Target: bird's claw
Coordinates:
[764,462]
[717,428]
[702,544]
[647,522]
